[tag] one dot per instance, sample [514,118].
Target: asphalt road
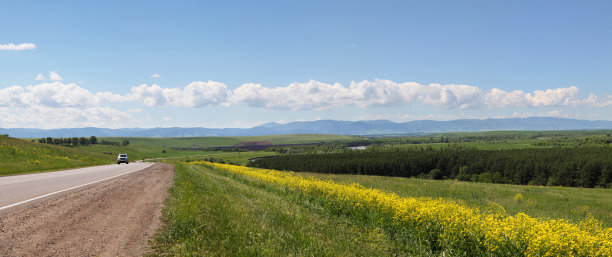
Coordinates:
[21,189]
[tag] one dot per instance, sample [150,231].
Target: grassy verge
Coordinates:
[239,211]
[442,226]
[545,202]
[19,156]
[213,213]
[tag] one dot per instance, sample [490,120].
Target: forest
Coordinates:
[558,166]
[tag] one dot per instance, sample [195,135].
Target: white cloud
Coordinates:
[19,47]
[54,94]
[312,95]
[196,94]
[155,76]
[40,76]
[315,95]
[596,101]
[321,96]
[497,98]
[389,93]
[54,76]
[296,96]
[49,117]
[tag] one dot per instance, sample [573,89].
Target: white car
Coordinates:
[122,158]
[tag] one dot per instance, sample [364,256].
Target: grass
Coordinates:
[299,138]
[546,202]
[496,140]
[19,156]
[239,211]
[148,148]
[212,213]
[240,158]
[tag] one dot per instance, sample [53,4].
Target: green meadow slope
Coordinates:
[20,156]
[214,211]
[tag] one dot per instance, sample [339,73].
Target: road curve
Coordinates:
[16,190]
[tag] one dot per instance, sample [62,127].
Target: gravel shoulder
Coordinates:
[111,218]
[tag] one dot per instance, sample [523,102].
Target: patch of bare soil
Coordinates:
[116,217]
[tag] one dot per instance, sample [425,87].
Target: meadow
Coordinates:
[211,213]
[219,209]
[149,148]
[19,156]
[28,155]
[568,203]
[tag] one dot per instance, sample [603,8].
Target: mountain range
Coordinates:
[370,127]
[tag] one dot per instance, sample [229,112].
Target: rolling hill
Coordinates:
[371,127]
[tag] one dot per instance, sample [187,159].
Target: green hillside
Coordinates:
[21,156]
[143,147]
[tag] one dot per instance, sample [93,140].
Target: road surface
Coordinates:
[16,190]
[116,216]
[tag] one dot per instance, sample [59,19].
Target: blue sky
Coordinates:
[244,63]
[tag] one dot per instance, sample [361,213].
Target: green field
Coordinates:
[215,212]
[25,156]
[212,214]
[148,148]
[497,140]
[300,139]
[537,201]
[19,156]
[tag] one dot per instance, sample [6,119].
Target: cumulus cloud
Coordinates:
[321,96]
[596,101]
[19,47]
[497,98]
[315,95]
[54,94]
[312,95]
[49,117]
[196,94]
[155,76]
[53,76]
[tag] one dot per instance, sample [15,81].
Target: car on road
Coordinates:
[122,157]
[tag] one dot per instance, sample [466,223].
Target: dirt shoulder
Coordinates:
[111,218]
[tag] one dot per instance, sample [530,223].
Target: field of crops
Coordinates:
[440,225]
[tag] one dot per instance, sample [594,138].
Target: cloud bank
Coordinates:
[314,95]
[59,104]
[55,95]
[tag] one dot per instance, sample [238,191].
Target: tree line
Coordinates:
[574,167]
[76,141]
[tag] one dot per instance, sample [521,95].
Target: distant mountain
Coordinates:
[370,127]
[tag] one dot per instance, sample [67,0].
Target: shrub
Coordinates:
[435,174]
